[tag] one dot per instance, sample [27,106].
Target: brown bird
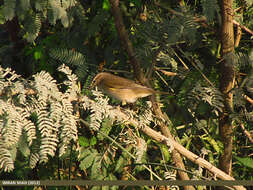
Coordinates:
[120,88]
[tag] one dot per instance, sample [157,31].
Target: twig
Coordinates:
[243,27]
[248,99]
[196,67]
[247,133]
[170,142]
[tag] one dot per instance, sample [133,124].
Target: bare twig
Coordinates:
[248,99]
[247,133]
[243,27]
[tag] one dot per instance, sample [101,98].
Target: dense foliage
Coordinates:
[178,43]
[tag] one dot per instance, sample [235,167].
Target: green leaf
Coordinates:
[87,162]
[84,142]
[112,177]
[165,152]
[96,188]
[93,141]
[67,56]
[37,55]
[119,164]
[32,26]
[106,5]
[65,20]
[248,162]
[138,3]
[215,144]
[25,4]
[106,128]
[2,20]
[210,8]
[105,187]
[96,169]
[83,153]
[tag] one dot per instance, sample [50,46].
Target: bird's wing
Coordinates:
[121,84]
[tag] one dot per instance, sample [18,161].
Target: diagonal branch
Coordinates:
[123,35]
[171,143]
[140,76]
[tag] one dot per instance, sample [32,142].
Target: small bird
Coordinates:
[120,88]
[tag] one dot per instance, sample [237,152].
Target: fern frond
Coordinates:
[70,57]
[9,9]
[40,5]
[48,147]
[55,123]
[46,86]
[71,83]
[147,117]
[48,132]
[99,110]
[45,124]
[56,11]
[190,29]
[210,95]
[24,4]
[210,9]
[28,125]
[34,159]
[30,130]
[69,126]
[8,75]
[56,112]
[6,161]
[32,27]
[68,4]
[67,56]
[12,126]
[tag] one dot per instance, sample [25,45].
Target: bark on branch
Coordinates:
[123,35]
[140,76]
[170,142]
[227,78]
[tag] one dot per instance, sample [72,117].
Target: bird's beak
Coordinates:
[94,82]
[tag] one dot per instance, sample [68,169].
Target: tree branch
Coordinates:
[227,80]
[123,35]
[171,143]
[140,76]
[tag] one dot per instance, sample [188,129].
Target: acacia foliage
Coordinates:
[167,38]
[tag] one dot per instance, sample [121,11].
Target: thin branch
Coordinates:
[137,69]
[196,67]
[170,142]
[248,99]
[247,133]
[243,27]
[127,44]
